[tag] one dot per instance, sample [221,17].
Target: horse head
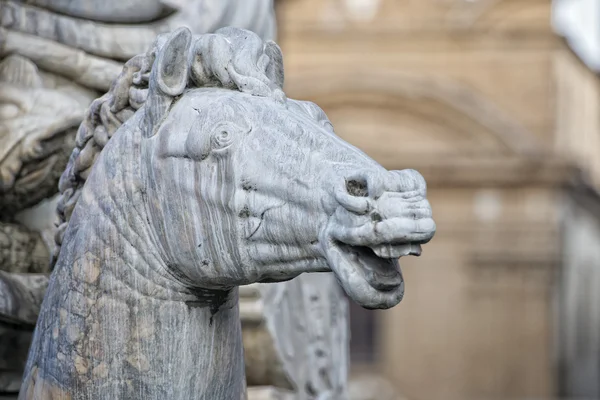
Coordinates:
[243,185]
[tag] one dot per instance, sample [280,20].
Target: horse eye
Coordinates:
[222,139]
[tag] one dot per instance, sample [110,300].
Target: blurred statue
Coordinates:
[212,179]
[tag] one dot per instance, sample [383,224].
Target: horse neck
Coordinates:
[123,326]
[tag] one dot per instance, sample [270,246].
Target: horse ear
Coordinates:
[275,68]
[172,65]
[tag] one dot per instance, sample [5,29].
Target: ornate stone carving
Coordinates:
[214,180]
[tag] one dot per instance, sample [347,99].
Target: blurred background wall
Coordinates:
[497,103]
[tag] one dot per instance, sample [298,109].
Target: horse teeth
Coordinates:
[396,251]
[382,251]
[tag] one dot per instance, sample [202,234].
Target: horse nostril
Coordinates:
[357,188]
[376,217]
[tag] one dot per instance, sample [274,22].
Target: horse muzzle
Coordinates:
[379,218]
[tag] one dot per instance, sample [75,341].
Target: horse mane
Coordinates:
[231,58]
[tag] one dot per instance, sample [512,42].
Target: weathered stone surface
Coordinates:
[215,180]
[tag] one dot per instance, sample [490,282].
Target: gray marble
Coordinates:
[195,175]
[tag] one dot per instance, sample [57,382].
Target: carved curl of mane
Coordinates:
[231,58]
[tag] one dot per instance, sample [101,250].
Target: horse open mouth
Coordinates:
[380,264]
[371,275]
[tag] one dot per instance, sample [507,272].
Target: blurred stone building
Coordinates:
[500,111]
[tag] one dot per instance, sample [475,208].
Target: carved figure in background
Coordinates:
[214,180]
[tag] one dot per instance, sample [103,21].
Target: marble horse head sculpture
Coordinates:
[211,179]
